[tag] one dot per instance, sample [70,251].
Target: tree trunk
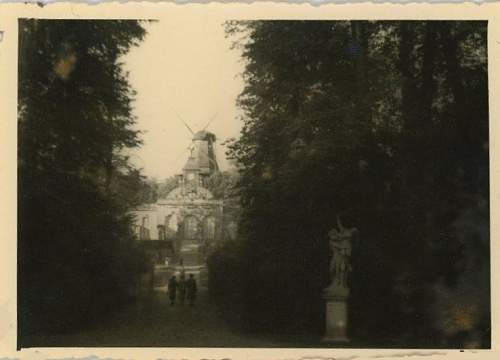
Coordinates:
[428,89]
[450,47]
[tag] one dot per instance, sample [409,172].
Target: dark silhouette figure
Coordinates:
[172,289]
[191,289]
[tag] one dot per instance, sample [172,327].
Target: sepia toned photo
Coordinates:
[253,183]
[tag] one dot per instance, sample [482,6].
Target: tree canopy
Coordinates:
[77,258]
[385,124]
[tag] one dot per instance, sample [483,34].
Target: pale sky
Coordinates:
[184,65]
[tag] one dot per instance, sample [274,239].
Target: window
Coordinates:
[144,229]
[209,228]
[190,228]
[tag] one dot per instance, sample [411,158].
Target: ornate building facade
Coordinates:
[179,230]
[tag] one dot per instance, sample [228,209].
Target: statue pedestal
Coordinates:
[336,314]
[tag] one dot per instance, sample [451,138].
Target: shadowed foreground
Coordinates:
[153,322]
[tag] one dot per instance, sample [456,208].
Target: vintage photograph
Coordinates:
[253,183]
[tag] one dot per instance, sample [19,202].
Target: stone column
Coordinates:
[336,318]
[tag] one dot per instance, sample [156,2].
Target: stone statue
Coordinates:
[341,246]
[172,222]
[337,293]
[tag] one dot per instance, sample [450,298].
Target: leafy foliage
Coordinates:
[384,124]
[77,256]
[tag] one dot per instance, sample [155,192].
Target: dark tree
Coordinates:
[386,125]
[77,257]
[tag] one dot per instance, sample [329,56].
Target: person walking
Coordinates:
[181,286]
[191,289]
[172,289]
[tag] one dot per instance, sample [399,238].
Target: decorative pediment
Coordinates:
[190,193]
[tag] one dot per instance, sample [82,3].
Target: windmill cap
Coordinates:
[204,135]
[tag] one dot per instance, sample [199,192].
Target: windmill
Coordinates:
[202,149]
